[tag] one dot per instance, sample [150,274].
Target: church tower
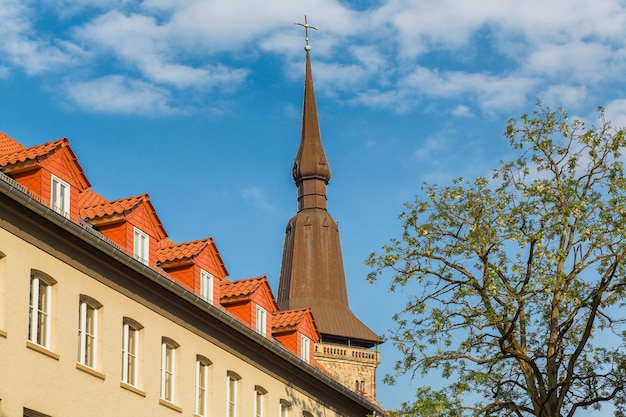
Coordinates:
[312,273]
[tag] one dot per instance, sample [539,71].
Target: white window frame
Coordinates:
[40,310]
[283,408]
[130,352]
[261,320]
[206,286]
[231,394]
[88,337]
[60,196]
[259,401]
[305,348]
[141,246]
[168,369]
[202,386]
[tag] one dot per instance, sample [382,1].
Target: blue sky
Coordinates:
[197,102]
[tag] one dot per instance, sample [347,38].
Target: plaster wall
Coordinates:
[50,380]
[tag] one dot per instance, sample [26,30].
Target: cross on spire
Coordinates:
[306,27]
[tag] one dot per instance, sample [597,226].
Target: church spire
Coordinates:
[310,170]
[312,273]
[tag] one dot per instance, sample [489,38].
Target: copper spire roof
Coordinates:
[310,160]
[312,273]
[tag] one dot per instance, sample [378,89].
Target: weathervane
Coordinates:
[306,27]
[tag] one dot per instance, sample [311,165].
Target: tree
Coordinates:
[518,281]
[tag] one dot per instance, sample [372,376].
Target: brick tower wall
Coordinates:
[353,367]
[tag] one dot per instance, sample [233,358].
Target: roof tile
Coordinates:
[112,207]
[33,152]
[9,145]
[289,318]
[180,251]
[241,287]
[90,198]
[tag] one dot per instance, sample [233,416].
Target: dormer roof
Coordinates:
[89,198]
[9,145]
[16,154]
[122,207]
[287,320]
[243,289]
[171,252]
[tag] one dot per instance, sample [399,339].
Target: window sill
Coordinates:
[89,371]
[170,405]
[3,334]
[132,389]
[42,350]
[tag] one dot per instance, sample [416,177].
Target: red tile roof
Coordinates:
[289,318]
[90,198]
[121,206]
[12,152]
[112,207]
[166,243]
[33,152]
[242,287]
[9,145]
[181,251]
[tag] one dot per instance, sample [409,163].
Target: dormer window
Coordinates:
[141,246]
[60,196]
[261,320]
[206,286]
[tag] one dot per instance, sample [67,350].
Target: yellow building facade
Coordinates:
[88,330]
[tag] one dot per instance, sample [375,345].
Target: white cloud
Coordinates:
[532,43]
[615,111]
[392,99]
[574,61]
[146,44]
[187,76]
[257,197]
[493,93]
[493,56]
[462,111]
[432,147]
[563,95]
[68,8]
[21,46]
[116,94]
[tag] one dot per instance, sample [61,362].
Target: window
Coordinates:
[39,309]
[202,385]
[168,368]
[206,286]
[284,407]
[259,395]
[305,348]
[261,320]
[87,331]
[60,196]
[27,412]
[141,246]
[231,394]
[359,385]
[130,352]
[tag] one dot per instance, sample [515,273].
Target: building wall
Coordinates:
[354,367]
[30,179]
[51,382]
